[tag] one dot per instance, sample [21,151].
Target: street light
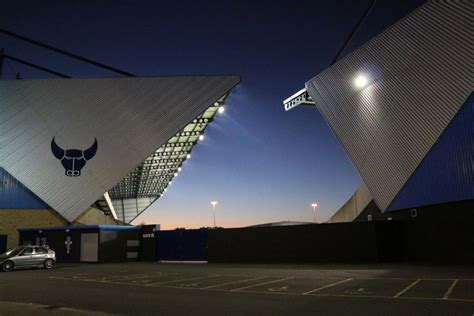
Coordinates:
[314,206]
[214,203]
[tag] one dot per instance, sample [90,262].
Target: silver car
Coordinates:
[27,257]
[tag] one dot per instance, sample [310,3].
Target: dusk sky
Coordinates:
[260,163]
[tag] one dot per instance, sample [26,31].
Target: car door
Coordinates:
[39,255]
[24,258]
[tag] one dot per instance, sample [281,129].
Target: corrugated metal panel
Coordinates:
[446,174]
[128,209]
[353,207]
[420,72]
[14,195]
[130,117]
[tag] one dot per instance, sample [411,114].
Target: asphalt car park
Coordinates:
[153,288]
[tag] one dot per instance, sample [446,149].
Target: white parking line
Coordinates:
[326,286]
[246,287]
[230,283]
[450,289]
[444,298]
[407,288]
[183,280]
[118,277]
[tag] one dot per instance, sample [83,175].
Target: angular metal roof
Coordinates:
[131,118]
[148,182]
[417,75]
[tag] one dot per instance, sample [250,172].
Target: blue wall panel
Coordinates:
[446,174]
[13,194]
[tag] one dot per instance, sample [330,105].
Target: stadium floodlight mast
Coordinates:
[314,206]
[214,203]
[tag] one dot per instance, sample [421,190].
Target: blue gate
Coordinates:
[182,245]
[3,243]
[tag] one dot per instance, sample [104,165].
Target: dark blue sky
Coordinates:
[261,163]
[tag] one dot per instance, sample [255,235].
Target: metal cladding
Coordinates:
[412,80]
[105,126]
[14,195]
[447,171]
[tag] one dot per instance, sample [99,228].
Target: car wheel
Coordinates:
[7,266]
[48,263]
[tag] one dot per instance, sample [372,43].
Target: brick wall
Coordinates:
[11,219]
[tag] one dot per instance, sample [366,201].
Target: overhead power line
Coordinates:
[66,53]
[27,63]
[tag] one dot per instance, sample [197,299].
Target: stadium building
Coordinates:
[97,151]
[402,107]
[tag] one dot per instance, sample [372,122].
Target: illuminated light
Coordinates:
[201,137]
[314,206]
[169,183]
[221,109]
[188,156]
[179,169]
[175,174]
[216,103]
[214,203]
[361,81]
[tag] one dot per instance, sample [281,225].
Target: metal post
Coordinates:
[1,62]
[123,212]
[214,203]
[314,205]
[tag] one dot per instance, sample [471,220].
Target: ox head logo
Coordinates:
[73,160]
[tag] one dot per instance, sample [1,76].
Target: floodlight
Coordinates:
[361,81]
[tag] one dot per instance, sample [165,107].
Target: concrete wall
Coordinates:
[11,219]
[93,216]
[353,207]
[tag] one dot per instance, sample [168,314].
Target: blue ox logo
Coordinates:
[73,160]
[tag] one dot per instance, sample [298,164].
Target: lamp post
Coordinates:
[214,203]
[314,206]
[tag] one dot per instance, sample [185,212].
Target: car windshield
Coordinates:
[14,251]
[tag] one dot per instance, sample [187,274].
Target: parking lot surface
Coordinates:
[153,288]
